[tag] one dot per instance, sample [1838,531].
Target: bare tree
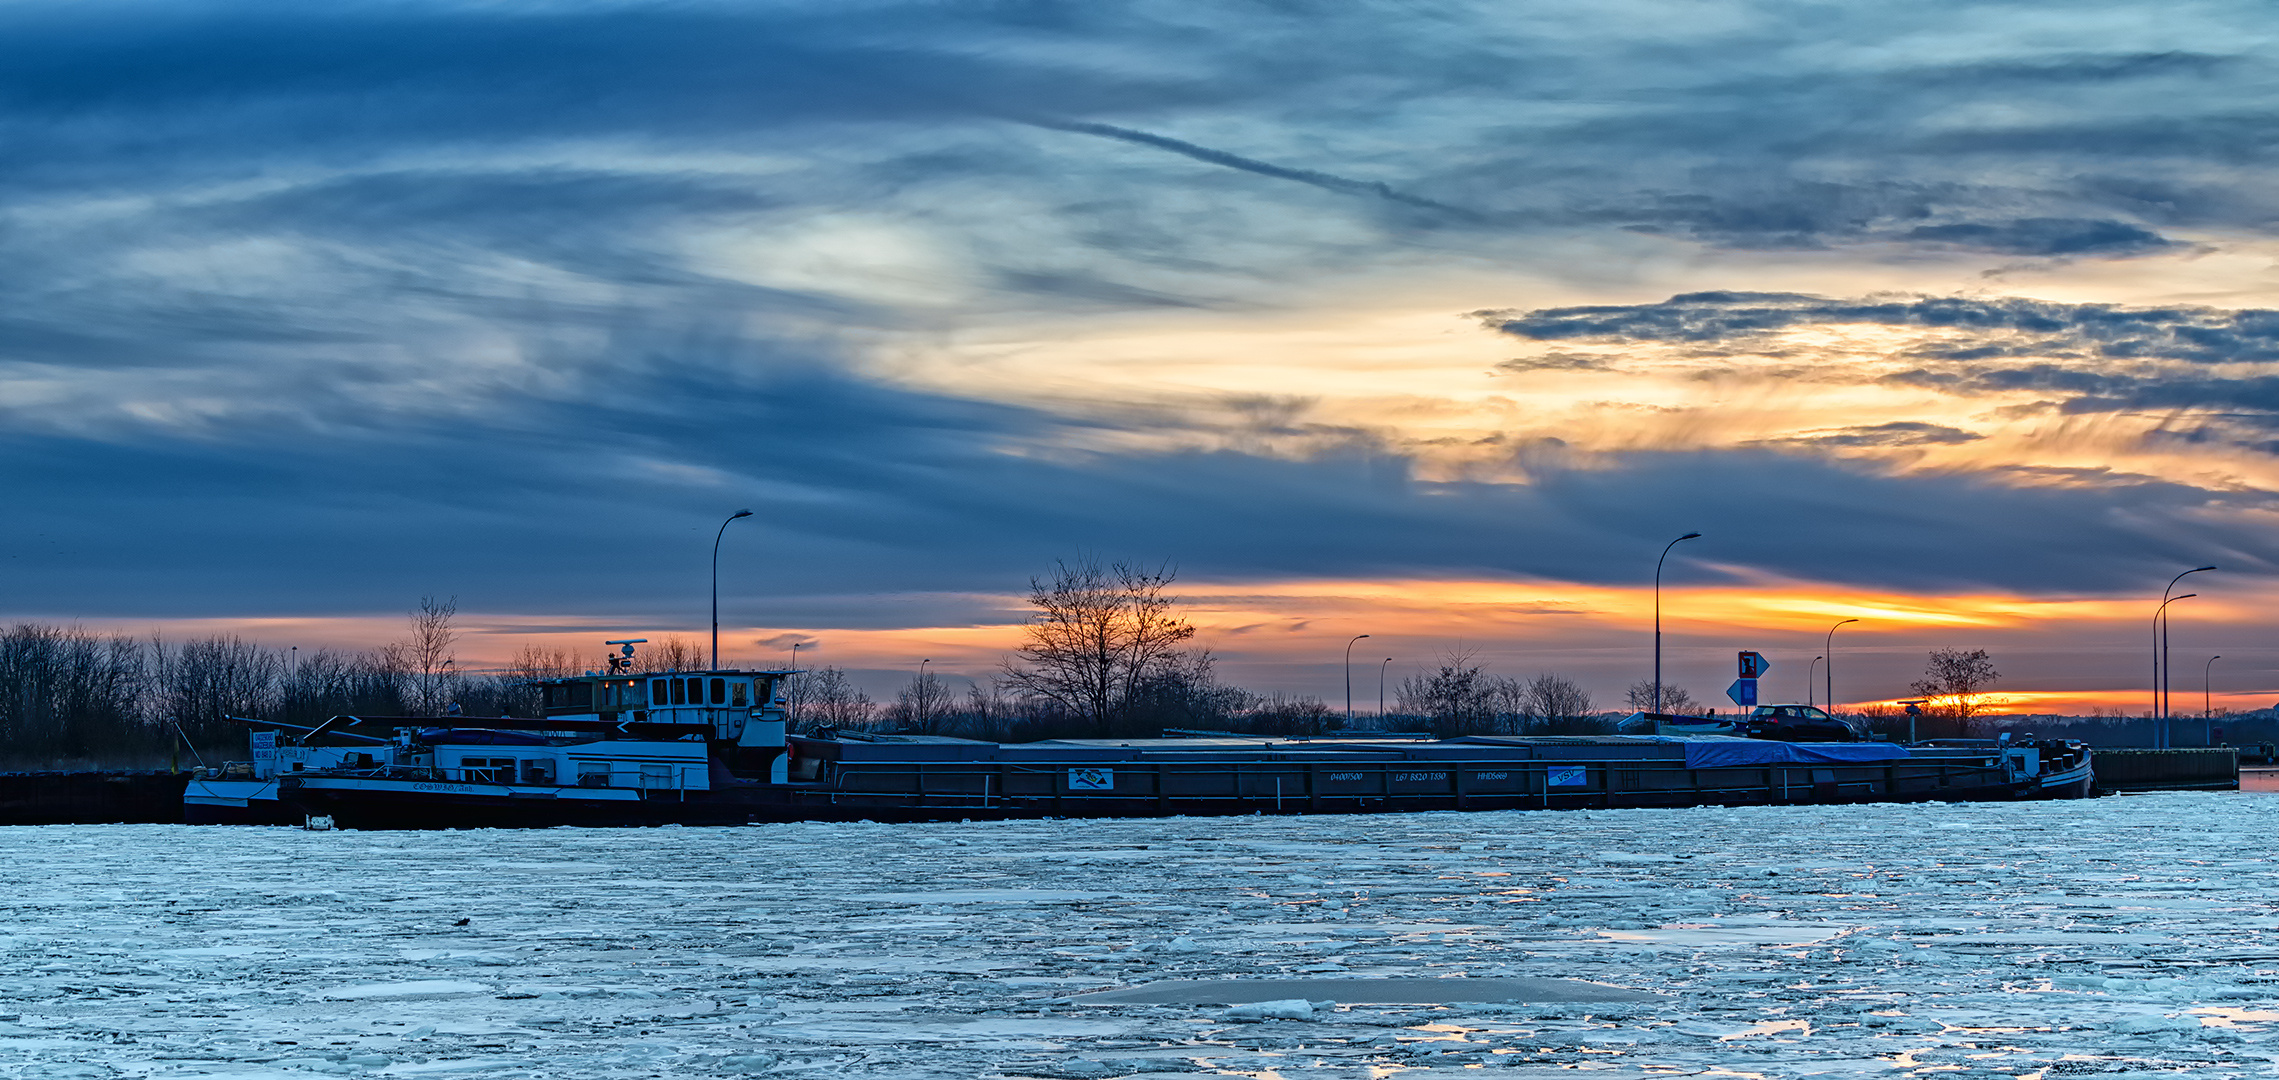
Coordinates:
[1956,683]
[203,680]
[534,662]
[327,683]
[1098,635]
[825,697]
[67,694]
[513,691]
[672,653]
[1549,702]
[1277,713]
[428,660]
[987,705]
[1675,700]
[922,706]
[1458,699]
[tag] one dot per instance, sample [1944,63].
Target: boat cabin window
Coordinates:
[620,695]
[720,691]
[736,693]
[680,691]
[658,694]
[696,691]
[574,695]
[483,770]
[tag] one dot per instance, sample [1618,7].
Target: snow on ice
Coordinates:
[2035,940]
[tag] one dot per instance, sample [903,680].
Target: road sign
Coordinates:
[1754,665]
[1743,691]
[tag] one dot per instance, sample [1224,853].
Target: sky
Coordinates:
[1429,321]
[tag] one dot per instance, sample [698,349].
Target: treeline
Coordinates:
[1458,698]
[1106,654]
[1187,697]
[70,697]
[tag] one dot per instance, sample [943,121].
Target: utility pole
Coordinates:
[716,584]
[1658,614]
[1349,679]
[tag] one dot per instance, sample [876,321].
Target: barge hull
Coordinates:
[951,791]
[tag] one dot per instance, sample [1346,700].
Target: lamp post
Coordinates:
[1349,679]
[924,708]
[1808,674]
[2159,659]
[2159,667]
[1381,690]
[1828,649]
[1658,615]
[791,703]
[2207,705]
[716,584]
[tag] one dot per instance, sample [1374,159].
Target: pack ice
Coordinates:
[2035,940]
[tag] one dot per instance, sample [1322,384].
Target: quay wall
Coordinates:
[2135,769]
[91,798]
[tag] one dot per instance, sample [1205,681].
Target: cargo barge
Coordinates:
[710,748]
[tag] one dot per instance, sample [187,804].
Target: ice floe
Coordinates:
[2039,941]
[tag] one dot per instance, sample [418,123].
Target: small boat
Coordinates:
[710,748]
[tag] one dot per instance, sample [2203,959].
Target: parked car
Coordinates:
[1797,723]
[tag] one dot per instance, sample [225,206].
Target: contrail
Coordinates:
[1325,181]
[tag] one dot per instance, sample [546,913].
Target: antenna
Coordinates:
[624,660]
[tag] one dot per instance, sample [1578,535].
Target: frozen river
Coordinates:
[2039,940]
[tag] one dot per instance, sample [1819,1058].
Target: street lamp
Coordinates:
[716,584]
[1808,674]
[2207,707]
[1658,615]
[2160,665]
[1828,649]
[1349,679]
[795,655]
[1381,690]
[925,708]
[2159,659]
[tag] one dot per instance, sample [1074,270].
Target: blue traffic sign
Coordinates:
[1743,692]
[1754,665]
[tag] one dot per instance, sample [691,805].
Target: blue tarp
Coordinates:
[1741,753]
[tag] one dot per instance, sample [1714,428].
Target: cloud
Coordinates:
[1312,178]
[1553,362]
[1895,433]
[2206,370]
[2045,236]
[2014,325]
